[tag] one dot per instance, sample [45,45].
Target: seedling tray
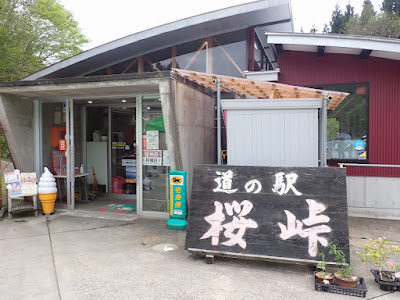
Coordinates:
[386,285]
[359,291]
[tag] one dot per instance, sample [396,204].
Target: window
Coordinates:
[347,127]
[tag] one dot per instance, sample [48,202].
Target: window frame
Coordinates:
[336,161]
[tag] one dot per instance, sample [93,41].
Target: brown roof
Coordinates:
[260,89]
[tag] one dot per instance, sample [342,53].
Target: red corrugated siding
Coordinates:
[383,76]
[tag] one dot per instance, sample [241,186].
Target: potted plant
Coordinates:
[377,252]
[323,276]
[344,277]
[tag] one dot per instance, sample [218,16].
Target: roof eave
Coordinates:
[232,18]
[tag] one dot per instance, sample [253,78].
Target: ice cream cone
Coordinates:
[48,201]
[47,191]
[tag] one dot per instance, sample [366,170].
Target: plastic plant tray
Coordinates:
[386,285]
[359,291]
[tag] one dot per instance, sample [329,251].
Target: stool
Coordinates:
[24,206]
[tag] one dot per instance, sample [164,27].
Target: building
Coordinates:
[105,101]
[132,118]
[367,68]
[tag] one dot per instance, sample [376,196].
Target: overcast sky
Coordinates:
[103,21]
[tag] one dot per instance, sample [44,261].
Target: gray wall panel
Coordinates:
[279,137]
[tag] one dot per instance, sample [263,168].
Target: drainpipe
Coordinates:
[324,122]
[219,121]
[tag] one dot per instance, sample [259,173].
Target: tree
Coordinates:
[349,13]
[339,20]
[313,29]
[391,7]
[326,29]
[35,34]
[367,14]
[384,24]
[337,24]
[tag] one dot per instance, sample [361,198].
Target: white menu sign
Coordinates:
[152,139]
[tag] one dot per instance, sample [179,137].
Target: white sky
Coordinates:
[103,21]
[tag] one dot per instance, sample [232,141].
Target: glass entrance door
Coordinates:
[123,151]
[155,158]
[58,147]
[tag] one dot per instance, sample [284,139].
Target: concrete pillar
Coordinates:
[16,116]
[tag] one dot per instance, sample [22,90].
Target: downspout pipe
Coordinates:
[324,125]
[219,121]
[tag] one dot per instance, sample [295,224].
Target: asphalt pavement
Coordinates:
[84,255]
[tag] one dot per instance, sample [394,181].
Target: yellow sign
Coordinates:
[362,154]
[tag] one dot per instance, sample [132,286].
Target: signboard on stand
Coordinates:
[268,212]
[28,184]
[13,184]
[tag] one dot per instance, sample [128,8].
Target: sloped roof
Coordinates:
[364,46]
[273,13]
[259,89]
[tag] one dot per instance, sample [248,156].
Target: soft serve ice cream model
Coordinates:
[47,191]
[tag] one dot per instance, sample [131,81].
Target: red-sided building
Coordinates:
[368,68]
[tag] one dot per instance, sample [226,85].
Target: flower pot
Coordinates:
[321,276]
[344,282]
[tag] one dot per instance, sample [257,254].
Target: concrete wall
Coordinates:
[374,197]
[16,116]
[195,115]
[189,120]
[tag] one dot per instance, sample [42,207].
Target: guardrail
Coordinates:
[369,165]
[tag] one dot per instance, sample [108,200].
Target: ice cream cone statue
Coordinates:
[47,191]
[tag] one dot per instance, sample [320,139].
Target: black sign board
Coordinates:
[278,212]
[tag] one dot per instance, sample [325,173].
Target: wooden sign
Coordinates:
[271,212]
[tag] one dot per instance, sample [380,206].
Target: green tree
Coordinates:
[337,24]
[35,34]
[313,29]
[326,28]
[339,20]
[349,13]
[391,7]
[5,153]
[384,24]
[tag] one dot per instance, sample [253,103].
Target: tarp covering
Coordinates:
[156,124]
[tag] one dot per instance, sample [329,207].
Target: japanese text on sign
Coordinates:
[266,212]
[152,157]
[235,230]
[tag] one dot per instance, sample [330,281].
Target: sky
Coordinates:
[103,21]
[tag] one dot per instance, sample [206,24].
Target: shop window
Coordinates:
[347,127]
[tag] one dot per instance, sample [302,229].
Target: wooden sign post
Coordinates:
[282,213]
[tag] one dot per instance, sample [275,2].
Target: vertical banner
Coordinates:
[177,200]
